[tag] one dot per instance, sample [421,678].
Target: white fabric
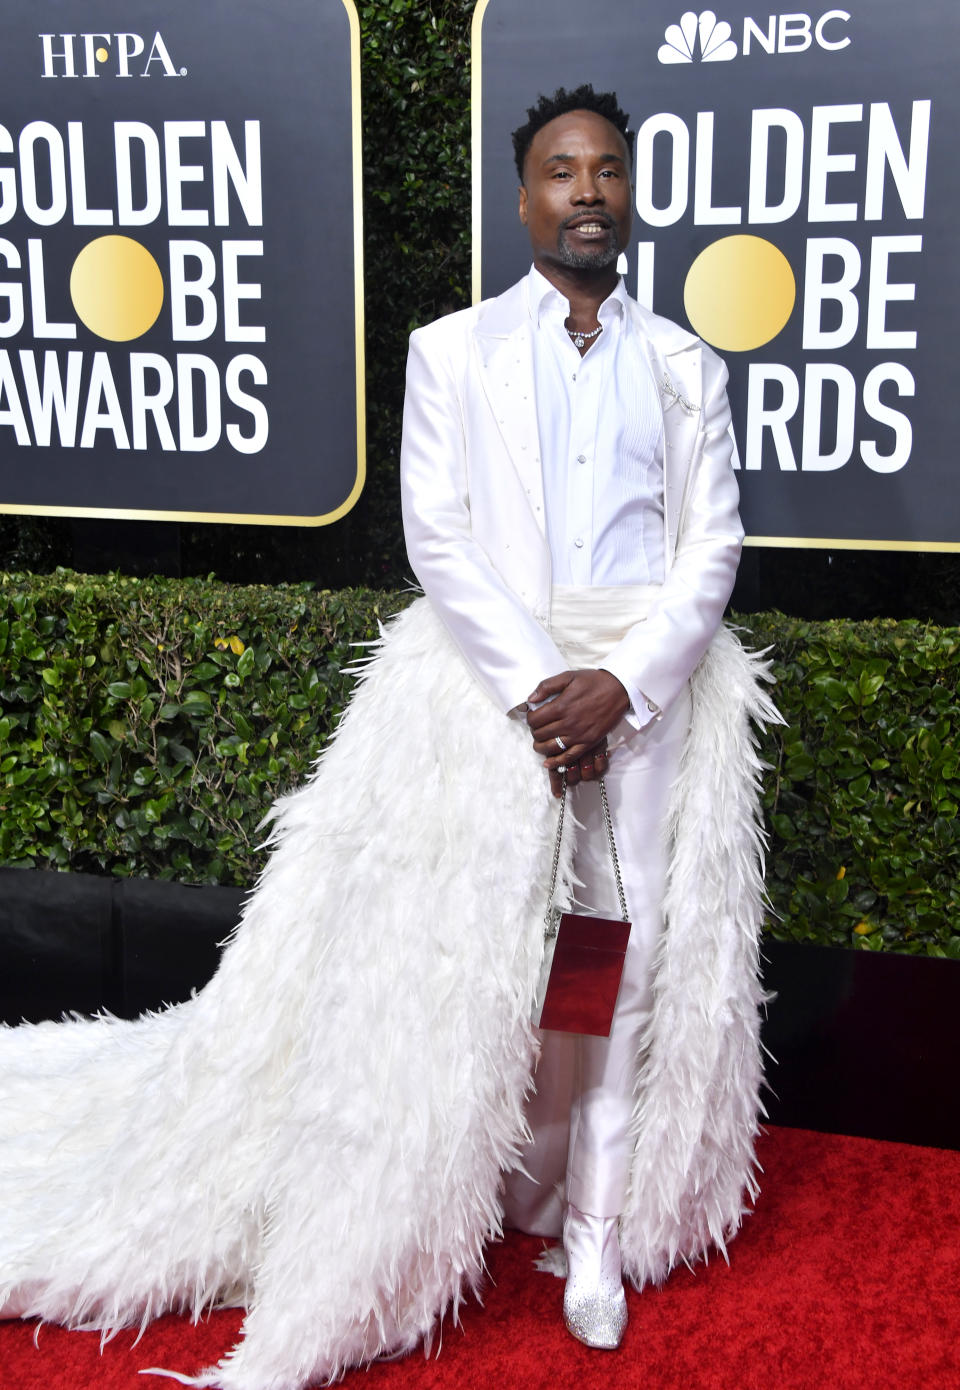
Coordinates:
[319,1135]
[601,446]
[580,1115]
[473,502]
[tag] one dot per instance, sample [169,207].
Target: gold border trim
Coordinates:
[476,142]
[833,543]
[264,519]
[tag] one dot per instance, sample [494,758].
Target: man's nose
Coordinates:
[586,191]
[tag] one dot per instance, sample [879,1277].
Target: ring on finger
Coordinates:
[560,743]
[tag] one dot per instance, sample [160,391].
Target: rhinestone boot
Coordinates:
[594,1304]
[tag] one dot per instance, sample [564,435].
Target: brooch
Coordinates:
[668,389]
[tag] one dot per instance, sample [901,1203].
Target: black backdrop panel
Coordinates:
[809,161]
[180,316]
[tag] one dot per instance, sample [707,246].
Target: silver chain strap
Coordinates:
[551,920]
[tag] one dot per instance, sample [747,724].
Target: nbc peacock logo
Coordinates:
[698,38]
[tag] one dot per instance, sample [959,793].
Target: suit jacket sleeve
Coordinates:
[658,656]
[508,650]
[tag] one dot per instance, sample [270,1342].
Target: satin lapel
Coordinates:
[505,358]
[676,368]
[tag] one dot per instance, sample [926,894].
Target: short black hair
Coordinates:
[582,98]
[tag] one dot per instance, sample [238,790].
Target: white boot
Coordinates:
[594,1304]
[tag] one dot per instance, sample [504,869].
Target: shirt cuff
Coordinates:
[643,711]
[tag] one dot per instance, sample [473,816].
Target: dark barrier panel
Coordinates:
[864,1044]
[80,942]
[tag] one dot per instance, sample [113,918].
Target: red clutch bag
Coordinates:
[582,956]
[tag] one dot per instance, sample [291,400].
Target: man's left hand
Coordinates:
[585,707]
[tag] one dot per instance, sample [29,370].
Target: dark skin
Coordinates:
[576,202]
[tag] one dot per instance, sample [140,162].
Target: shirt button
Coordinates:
[581,458]
[579,543]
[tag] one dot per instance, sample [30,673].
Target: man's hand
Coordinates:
[584,707]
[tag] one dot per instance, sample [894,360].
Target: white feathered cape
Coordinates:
[320,1133]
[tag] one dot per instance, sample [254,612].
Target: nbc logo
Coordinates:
[698,38]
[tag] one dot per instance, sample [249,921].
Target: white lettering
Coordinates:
[200,289]
[124,135]
[885,415]
[128,46]
[8,179]
[751,30]
[812,460]
[83,216]
[823,163]
[34,134]
[820,31]
[244,177]
[158,54]
[51,398]
[675,129]
[178,173]
[103,387]
[881,291]
[13,414]
[189,363]
[704,213]
[762,123]
[760,417]
[12,292]
[817,290]
[154,403]
[42,327]
[793,33]
[884,151]
[234,289]
[247,443]
[89,52]
[50,57]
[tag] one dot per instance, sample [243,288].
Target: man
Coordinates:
[581,556]
[321,1134]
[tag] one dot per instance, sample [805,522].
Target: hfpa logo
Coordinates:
[106,55]
[702,38]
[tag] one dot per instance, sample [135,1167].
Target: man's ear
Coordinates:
[522,207]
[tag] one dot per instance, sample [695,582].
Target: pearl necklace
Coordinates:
[580,339]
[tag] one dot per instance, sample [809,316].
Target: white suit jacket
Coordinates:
[473,506]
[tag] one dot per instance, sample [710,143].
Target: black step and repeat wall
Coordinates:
[797,205]
[181,330]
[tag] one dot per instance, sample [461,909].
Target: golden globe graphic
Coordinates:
[739,293]
[797,197]
[160,279]
[116,288]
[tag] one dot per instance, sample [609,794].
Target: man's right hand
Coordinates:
[589,767]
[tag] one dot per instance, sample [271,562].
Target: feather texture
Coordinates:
[319,1134]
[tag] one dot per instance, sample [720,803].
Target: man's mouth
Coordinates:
[588,226]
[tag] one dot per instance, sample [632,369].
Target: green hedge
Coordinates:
[147,724]
[863,788]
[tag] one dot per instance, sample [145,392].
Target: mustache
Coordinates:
[603,218]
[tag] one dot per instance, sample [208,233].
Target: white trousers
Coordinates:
[586,1087]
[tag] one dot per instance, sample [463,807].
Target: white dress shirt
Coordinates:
[601,447]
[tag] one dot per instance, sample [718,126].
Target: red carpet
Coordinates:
[848,1275]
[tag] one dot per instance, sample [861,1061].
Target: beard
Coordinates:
[594,257]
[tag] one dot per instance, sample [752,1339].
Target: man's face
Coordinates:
[576,201]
